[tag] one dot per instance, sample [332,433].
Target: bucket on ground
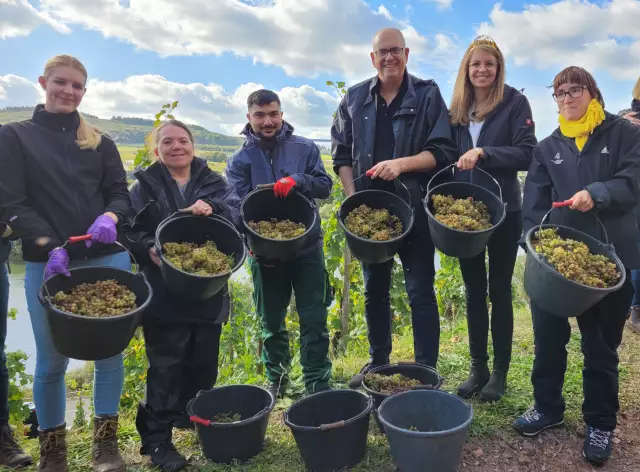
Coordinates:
[88,338]
[186,228]
[261,204]
[552,292]
[454,242]
[233,441]
[425,428]
[330,428]
[367,250]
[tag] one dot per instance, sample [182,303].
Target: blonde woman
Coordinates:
[60,177]
[493,128]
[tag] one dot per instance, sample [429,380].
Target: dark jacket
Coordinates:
[50,187]
[420,124]
[293,156]
[507,137]
[608,168]
[635,108]
[154,199]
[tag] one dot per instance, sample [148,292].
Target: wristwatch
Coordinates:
[479,151]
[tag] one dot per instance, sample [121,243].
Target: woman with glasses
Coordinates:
[593,160]
[493,128]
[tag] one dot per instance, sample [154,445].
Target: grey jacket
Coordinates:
[420,124]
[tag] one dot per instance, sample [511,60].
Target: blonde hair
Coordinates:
[154,136]
[636,90]
[462,99]
[88,137]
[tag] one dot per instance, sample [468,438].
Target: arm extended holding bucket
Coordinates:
[315,182]
[538,194]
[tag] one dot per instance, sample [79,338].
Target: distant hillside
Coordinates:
[126,130]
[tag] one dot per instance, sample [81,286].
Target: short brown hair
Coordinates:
[578,75]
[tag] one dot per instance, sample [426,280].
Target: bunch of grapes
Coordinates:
[96,300]
[226,417]
[573,260]
[377,225]
[278,229]
[389,384]
[199,259]
[464,214]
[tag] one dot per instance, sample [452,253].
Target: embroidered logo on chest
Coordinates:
[557,159]
[604,151]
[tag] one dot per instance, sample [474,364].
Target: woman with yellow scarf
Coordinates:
[593,160]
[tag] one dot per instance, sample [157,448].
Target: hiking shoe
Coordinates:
[634,319]
[597,445]
[11,454]
[166,457]
[532,422]
[53,449]
[106,456]
[478,378]
[356,380]
[495,388]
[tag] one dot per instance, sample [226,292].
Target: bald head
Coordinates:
[387,36]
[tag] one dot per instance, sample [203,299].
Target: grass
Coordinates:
[281,454]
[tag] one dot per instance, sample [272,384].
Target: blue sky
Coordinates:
[210,55]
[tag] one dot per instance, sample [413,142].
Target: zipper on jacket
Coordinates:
[71,173]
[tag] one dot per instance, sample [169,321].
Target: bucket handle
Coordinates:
[567,203]
[482,170]
[369,173]
[197,419]
[330,426]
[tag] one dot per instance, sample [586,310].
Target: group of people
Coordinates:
[60,177]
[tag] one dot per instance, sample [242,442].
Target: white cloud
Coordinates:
[441,4]
[19,18]
[571,32]
[304,37]
[209,105]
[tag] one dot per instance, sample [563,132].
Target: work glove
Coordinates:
[283,186]
[103,230]
[58,263]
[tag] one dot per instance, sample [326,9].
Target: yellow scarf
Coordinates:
[582,128]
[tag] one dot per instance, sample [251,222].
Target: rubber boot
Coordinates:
[11,454]
[495,388]
[478,378]
[53,449]
[106,456]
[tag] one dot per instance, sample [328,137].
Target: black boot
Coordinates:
[478,378]
[11,454]
[166,457]
[494,390]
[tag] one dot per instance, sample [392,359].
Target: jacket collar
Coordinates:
[635,106]
[56,121]
[283,134]
[153,175]
[410,98]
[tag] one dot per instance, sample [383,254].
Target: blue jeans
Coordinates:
[635,278]
[49,392]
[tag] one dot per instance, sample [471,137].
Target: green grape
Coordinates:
[204,259]
[377,225]
[464,214]
[97,300]
[278,229]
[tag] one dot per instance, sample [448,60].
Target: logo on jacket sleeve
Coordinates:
[529,122]
[604,151]
[557,159]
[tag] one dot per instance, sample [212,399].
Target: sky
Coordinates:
[210,54]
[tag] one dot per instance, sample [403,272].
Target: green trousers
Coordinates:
[272,287]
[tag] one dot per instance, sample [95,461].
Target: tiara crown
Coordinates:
[484,40]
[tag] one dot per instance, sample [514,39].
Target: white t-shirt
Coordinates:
[474,131]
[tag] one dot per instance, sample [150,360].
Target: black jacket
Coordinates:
[608,168]
[507,137]
[420,124]
[155,197]
[50,187]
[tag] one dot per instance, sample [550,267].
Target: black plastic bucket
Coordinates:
[187,228]
[366,250]
[330,428]
[262,204]
[442,421]
[239,441]
[428,377]
[454,242]
[92,339]
[555,294]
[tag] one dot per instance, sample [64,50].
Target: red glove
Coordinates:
[283,186]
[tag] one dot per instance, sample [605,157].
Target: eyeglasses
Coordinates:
[382,53]
[574,92]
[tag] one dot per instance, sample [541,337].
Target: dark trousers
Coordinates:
[601,329]
[503,250]
[4,373]
[416,254]
[272,287]
[183,359]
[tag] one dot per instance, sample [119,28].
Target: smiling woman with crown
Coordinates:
[493,128]
[591,161]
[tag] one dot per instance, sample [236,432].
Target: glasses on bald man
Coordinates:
[381,53]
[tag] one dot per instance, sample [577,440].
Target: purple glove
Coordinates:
[58,263]
[103,230]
